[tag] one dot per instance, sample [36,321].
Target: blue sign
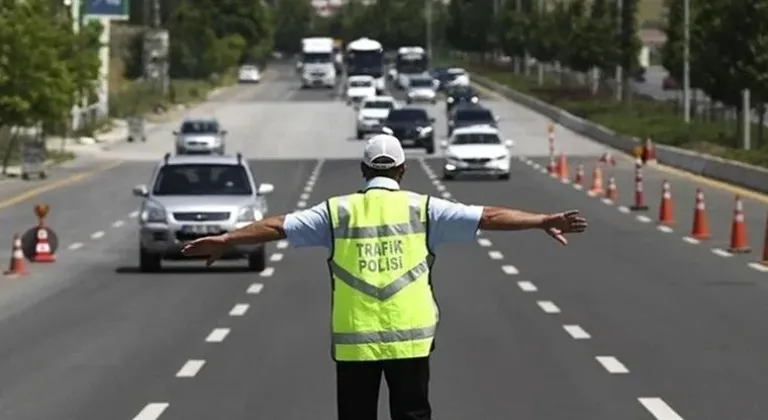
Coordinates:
[107,8]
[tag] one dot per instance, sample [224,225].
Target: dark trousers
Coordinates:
[357,389]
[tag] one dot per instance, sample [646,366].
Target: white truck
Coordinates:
[409,62]
[317,63]
[365,57]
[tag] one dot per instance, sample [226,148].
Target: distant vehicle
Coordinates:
[200,136]
[669,83]
[454,76]
[470,114]
[365,57]
[359,88]
[421,89]
[410,62]
[248,74]
[477,150]
[194,196]
[413,127]
[373,111]
[458,95]
[318,62]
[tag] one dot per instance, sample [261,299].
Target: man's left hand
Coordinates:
[557,225]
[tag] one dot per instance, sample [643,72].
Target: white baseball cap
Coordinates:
[383,146]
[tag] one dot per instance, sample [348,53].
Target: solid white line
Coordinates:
[446,194]
[217,335]
[97,235]
[759,267]
[118,223]
[485,243]
[276,257]
[576,332]
[76,245]
[282,244]
[527,286]
[624,209]
[510,269]
[151,411]
[304,196]
[239,310]
[659,409]
[301,204]
[548,307]
[190,369]
[692,241]
[722,253]
[268,271]
[255,289]
[664,228]
[134,214]
[495,255]
[643,219]
[612,364]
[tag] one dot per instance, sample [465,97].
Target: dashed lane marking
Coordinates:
[255,289]
[527,286]
[267,272]
[664,228]
[76,245]
[440,187]
[152,411]
[721,253]
[495,255]
[282,244]
[239,310]
[485,243]
[759,267]
[624,209]
[301,204]
[134,214]
[548,307]
[446,194]
[304,196]
[607,201]
[643,219]
[117,223]
[510,270]
[190,369]
[659,409]
[612,364]
[276,257]
[308,188]
[692,241]
[576,332]
[97,235]
[217,335]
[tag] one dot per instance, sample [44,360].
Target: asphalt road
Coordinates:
[625,322]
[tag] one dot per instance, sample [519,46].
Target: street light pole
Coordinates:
[428,12]
[619,68]
[687,60]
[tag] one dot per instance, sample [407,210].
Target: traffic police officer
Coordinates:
[381,240]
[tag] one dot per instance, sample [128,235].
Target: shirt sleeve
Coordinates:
[310,227]
[452,222]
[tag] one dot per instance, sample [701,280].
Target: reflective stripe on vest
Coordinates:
[418,310]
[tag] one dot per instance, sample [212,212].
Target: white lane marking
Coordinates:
[134,214]
[239,310]
[548,307]
[545,171]
[510,269]
[152,411]
[576,332]
[536,166]
[308,188]
[643,219]
[440,187]
[255,289]
[565,180]
[76,245]
[483,242]
[97,235]
[624,209]
[527,286]
[446,194]
[659,409]
[607,201]
[118,223]
[190,369]
[692,241]
[612,364]
[282,244]
[664,228]
[722,253]
[304,196]
[436,182]
[301,204]
[217,335]
[578,187]
[495,255]
[276,257]
[268,271]
[759,267]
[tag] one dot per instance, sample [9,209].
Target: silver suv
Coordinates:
[194,196]
[200,136]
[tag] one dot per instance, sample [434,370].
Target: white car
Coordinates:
[477,150]
[422,89]
[249,74]
[359,88]
[373,111]
[458,77]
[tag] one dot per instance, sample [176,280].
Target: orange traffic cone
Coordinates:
[562,167]
[700,228]
[597,182]
[16,266]
[739,243]
[579,178]
[639,193]
[43,247]
[612,193]
[666,211]
[649,152]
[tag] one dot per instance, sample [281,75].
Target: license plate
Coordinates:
[201,229]
[407,142]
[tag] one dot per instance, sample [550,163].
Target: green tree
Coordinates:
[293,19]
[546,39]
[601,33]
[578,52]
[672,51]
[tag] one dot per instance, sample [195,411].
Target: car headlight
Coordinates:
[425,130]
[474,99]
[501,157]
[411,93]
[249,214]
[450,100]
[153,213]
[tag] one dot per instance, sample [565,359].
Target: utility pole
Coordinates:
[687,61]
[619,68]
[428,12]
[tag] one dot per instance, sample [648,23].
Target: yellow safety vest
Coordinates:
[383,307]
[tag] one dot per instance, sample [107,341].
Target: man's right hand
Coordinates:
[557,225]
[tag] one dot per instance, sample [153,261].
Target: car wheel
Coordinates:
[430,147]
[360,135]
[149,262]
[504,177]
[447,177]
[257,260]
[180,151]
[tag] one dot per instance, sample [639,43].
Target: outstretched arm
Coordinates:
[269,229]
[555,225]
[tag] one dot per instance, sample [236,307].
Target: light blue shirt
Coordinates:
[448,221]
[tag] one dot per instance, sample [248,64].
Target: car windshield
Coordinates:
[421,83]
[379,105]
[476,138]
[202,179]
[475,115]
[402,115]
[462,92]
[360,83]
[199,127]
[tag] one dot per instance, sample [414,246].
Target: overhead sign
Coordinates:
[115,9]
